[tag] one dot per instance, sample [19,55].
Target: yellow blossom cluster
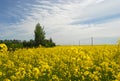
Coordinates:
[61,63]
[3,48]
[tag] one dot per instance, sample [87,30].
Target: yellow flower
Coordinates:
[118,76]
[3,47]
[86,73]
[13,78]
[83,78]
[0,73]
[6,79]
[36,72]
[96,78]
[55,78]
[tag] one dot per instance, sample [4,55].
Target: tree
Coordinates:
[39,35]
[49,43]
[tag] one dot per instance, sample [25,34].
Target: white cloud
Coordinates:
[99,1]
[57,18]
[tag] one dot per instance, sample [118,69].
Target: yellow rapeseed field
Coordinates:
[61,63]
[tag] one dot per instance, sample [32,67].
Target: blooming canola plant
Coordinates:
[61,63]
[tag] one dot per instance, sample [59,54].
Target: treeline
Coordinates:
[39,40]
[13,44]
[32,43]
[16,44]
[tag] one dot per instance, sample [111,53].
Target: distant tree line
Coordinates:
[39,40]
[12,44]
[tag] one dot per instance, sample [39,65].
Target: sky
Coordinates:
[67,22]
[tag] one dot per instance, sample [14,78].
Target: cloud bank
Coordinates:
[66,22]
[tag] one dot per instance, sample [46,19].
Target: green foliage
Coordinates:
[29,44]
[49,43]
[12,44]
[39,35]
[39,40]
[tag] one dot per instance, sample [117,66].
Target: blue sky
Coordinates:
[66,21]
